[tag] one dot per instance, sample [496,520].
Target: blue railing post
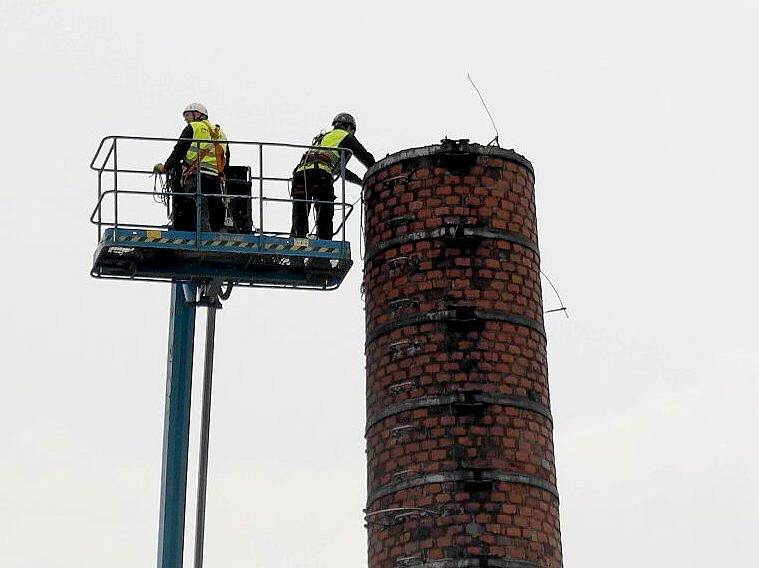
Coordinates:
[176,428]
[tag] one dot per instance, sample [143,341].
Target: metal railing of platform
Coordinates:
[105,163]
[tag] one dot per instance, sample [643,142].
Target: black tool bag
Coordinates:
[240,210]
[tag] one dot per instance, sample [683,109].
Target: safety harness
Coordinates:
[319,156]
[219,154]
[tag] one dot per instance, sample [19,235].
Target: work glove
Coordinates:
[158,169]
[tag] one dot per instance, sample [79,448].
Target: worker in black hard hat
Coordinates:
[314,175]
[190,158]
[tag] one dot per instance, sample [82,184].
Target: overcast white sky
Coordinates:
[640,119]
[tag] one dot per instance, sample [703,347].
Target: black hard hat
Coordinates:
[344,118]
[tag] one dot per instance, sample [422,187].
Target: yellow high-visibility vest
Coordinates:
[328,160]
[206,151]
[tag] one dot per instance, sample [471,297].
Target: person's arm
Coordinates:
[351,143]
[350,177]
[180,149]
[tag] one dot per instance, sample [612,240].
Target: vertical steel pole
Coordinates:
[100,205]
[261,194]
[176,430]
[198,199]
[115,188]
[205,425]
[103,167]
[342,179]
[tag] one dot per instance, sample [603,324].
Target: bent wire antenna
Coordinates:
[485,106]
[563,308]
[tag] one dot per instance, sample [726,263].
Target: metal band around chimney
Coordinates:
[479,562]
[461,475]
[436,149]
[451,315]
[430,401]
[452,231]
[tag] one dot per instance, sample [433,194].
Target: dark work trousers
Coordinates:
[313,185]
[212,208]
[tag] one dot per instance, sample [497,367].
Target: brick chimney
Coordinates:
[459,433]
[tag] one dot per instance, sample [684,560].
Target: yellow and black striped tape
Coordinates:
[296,245]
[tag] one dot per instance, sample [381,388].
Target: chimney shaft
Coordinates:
[459,433]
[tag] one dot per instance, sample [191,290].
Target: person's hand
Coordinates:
[158,169]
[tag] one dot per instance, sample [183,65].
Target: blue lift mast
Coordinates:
[202,267]
[176,429]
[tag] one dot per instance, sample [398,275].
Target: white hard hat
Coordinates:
[197,107]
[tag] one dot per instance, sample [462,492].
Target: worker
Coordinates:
[314,175]
[186,160]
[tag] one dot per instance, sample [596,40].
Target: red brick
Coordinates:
[519,521]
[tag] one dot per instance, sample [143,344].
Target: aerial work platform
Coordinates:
[248,260]
[138,240]
[245,253]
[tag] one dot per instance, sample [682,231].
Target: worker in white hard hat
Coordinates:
[190,158]
[318,168]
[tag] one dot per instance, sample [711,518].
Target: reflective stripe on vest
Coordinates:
[327,160]
[203,129]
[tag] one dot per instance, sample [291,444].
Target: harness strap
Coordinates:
[317,156]
[218,154]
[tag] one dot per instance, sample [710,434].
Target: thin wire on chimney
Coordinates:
[485,106]
[563,308]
